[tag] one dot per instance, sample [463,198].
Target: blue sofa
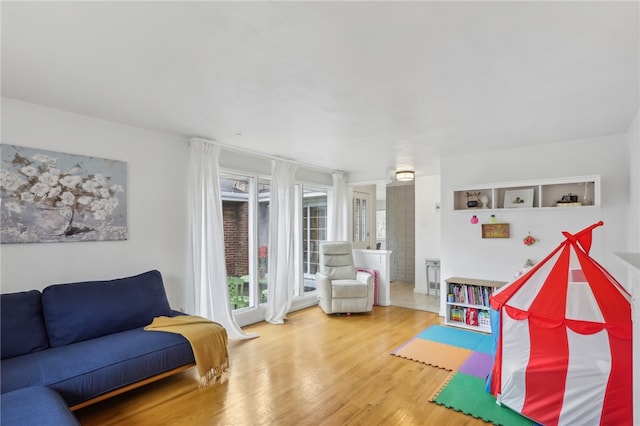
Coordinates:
[75,344]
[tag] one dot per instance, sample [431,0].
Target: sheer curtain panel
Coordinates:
[282,277]
[207,292]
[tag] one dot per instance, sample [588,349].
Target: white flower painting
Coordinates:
[50,196]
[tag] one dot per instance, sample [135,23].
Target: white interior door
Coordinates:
[361,220]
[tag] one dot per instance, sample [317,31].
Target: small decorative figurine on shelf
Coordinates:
[473,204]
[529,240]
[484,201]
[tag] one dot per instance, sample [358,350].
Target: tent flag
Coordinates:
[564,340]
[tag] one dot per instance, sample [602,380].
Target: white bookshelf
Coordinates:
[468,298]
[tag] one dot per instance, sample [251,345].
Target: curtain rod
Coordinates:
[258,154]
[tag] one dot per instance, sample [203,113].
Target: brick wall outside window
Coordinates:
[236,237]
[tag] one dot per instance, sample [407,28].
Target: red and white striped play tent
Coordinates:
[564,348]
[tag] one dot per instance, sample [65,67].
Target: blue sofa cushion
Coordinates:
[99,365]
[35,406]
[80,311]
[22,327]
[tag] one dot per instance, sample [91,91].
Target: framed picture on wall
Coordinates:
[495,230]
[521,198]
[49,196]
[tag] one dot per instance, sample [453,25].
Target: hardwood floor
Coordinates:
[313,370]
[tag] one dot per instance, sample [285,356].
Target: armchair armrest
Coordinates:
[323,284]
[364,277]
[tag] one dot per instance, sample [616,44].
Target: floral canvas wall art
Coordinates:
[48,196]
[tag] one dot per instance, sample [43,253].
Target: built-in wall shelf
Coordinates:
[570,192]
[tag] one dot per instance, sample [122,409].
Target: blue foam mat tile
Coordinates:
[472,340]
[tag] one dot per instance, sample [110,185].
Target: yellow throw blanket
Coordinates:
[208,342]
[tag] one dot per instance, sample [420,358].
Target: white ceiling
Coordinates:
[365,87]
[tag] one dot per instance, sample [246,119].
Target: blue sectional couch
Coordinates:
[78,343]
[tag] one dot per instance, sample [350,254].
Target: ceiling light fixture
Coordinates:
[404,176]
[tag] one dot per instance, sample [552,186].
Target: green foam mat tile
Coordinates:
[466,394]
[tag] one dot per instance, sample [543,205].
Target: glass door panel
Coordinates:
[314,230]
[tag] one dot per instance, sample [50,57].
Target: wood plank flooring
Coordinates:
[313,370]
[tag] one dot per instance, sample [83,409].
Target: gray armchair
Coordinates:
[342,289]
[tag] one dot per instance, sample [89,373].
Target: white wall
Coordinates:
[633,139]
[633,278]
[466,254]
[156,201]
[427,227]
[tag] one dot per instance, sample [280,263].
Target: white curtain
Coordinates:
[337,206]
[282,277]
[209,296]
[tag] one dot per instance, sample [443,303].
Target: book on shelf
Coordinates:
[471,316]
[484,319]
[470,294]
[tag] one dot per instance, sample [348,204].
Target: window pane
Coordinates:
[363,221]
[264,190]
[360,224]
[235,192]
[314,225]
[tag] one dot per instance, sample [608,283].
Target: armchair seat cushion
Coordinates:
[349,288]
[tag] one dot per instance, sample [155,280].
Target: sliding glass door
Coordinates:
[314,230]
[245,206]
[245,209]
[262,272]
[236,194]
